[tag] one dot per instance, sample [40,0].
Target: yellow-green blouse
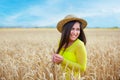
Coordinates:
[75,56]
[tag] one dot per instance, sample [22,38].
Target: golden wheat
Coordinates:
[25,54]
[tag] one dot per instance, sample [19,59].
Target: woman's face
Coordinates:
[75,32]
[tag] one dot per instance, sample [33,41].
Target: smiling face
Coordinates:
[75,32]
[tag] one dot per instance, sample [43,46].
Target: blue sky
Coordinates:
[28,13]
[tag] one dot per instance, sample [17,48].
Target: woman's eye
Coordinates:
[72,28]
[78,29]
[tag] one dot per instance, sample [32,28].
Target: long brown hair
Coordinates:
[66,32]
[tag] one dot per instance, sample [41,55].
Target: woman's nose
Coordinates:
[75,32]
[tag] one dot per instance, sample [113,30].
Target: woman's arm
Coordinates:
[81,57]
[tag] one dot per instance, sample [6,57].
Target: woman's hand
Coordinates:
[57,58]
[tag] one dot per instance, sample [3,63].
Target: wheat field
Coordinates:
[25,54]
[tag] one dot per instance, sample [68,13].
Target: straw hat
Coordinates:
[69,18]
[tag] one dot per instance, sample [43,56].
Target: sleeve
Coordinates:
[81,57]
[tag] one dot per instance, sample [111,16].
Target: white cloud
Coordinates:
[26,14]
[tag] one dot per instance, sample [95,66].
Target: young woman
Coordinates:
[71,52]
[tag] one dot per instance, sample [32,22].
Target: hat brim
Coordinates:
[64,21]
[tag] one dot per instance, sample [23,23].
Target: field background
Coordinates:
[25,54]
